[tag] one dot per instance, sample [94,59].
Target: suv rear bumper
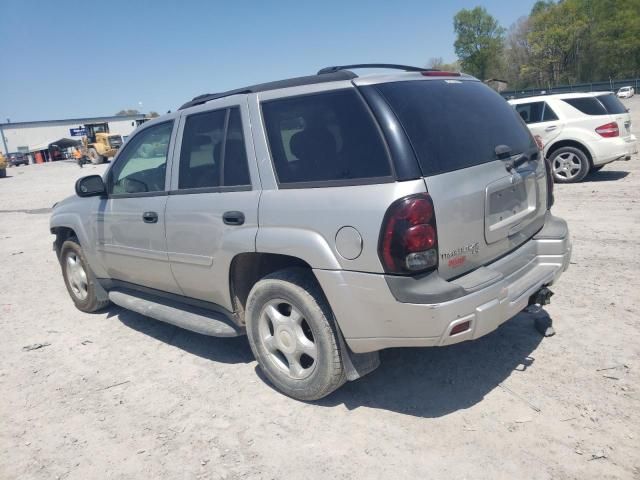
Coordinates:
[372,316]
[611,149]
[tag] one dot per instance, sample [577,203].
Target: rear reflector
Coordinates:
[461,327]
[608,130]
[439,73]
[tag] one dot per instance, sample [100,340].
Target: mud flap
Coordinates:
[356,365]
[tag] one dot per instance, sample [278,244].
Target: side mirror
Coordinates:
[90,186]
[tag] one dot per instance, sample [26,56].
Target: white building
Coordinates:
[33,137]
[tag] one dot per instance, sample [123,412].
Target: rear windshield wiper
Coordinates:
[503,152]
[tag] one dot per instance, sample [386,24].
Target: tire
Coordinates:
[289,322]
[598,168]
[569,165]
[3,172]
[85,291]
[95,157]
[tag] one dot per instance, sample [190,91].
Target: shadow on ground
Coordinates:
[225,350]
[424,382]
[605,176]
[433,382]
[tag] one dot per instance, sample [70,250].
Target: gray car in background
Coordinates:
[326,217]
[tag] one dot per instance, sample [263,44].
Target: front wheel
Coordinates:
[569,165]
[3,172]
[292,335]
[81,284]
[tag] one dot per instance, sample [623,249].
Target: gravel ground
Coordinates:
[117,395]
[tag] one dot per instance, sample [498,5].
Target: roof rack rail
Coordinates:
[263,87]
[391,66]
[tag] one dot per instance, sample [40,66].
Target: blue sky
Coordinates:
[58,63]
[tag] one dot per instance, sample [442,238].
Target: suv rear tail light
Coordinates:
[608,130]
[439,73]
[408,237]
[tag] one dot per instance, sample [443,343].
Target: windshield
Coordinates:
[455,124]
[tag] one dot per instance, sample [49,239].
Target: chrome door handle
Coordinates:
[550,128]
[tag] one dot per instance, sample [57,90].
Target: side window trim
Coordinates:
[123,152]
[177,190]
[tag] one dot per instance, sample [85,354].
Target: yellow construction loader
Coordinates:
[98,144]
[3,166]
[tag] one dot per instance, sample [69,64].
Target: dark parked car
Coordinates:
[17,158]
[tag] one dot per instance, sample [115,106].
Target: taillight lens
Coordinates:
[408,237]
[608,130]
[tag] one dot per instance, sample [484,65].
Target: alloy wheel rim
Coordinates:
[77,276]
[567,165]
[287,338]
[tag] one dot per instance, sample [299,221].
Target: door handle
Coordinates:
[150,217]
[550,128]
[233,218]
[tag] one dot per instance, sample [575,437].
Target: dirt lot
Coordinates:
[117,395]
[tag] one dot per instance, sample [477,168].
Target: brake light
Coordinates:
[439,73]
[408,237]
[608,130]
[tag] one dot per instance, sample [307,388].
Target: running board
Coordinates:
[181,315]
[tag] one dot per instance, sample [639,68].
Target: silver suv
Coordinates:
[326,217]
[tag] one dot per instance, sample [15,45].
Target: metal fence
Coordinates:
[612,86]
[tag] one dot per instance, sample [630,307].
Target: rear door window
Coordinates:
[455,124]
[587,105]
[612,104]
[213,152]
[530,112]
[324,137]
[548,115]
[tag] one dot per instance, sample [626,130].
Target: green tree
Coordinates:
[517,54]
[559,40]
[439,64]
[479,42]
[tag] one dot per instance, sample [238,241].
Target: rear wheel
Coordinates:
[569,165]
[95,157]
[292,335]
[81,284]
[3,172]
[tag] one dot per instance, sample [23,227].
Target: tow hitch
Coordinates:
[539,299]
[543,322]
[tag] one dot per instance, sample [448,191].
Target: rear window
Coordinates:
[455,124]
[587,105]
[324,137]
[612,104]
